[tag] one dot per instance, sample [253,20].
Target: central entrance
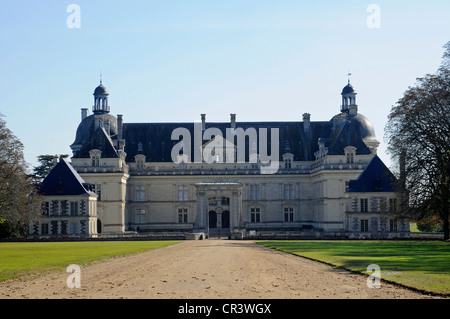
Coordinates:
[219,208]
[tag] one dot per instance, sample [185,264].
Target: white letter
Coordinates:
[74,280]
[73,20]
[373,281]
[184,144]
[374,20]
[273,159]
[213,151]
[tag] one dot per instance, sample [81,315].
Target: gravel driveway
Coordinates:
[206,269]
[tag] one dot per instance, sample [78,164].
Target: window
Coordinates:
[347,185]
[140,193]
[392,224]
[255,215]
[45,208]
[289,191]
[225,201]
[44,229]
[95,160]
[364,225]
[182,215]
[95,157]
[364,205]
[73,208]
[254,192]
[392,205]
[182,193]
[287,163]
[98,190]
[73,229]
[139,217]
[350,158]
[288,214]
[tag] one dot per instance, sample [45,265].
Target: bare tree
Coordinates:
[19,203]
[418,130]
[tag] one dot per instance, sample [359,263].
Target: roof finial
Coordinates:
[100,77]
[349,75]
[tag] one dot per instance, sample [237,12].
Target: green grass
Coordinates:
[424,265]
[21,259]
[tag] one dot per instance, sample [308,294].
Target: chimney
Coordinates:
[84,113]
[203,122]
[306,122]
[233,120]
[119,126]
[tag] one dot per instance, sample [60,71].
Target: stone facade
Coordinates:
[142,189]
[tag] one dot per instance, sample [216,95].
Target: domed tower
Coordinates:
[100,100]
[349,100]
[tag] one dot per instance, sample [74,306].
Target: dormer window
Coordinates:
[350,152]
[95,157]
[140,160]
[350,158]
[288,158]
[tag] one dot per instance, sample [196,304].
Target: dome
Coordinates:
[101,90]
[87,128]
[348,89]
[365,127]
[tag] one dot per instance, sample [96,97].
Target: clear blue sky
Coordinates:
[173,60]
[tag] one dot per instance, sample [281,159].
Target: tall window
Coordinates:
[254,192]
[73,208]
[364,225]
[350,157]
[45,208]
[287,163]
[288,191]
[140,193]
[44,229]
[255,214]
[364,205]
[392,205]
[98,190]
[288,214]
[95,160]
[182,193]
[139,217]
[73,228]
[392,224]
[182,215]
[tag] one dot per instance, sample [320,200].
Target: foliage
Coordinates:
[430,224]
[19,202]
[46,163]
[418,133]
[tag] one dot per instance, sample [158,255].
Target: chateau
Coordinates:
[203,179]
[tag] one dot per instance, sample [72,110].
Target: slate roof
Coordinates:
[157,144]
[376,177]
[64,180]
[98,140]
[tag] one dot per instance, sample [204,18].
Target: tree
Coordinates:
[418,128]
[19,202]
[46,164]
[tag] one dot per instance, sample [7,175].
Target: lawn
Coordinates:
[19,259]
[423,265]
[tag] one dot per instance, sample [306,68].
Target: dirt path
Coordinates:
[206,269]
